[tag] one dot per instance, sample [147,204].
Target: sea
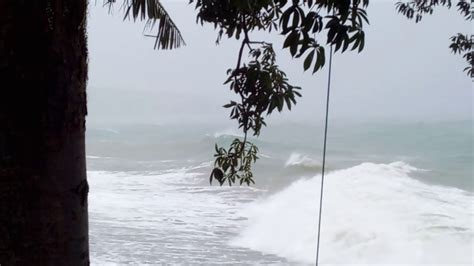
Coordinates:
[395,193]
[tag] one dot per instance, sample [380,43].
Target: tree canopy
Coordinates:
[168,35]
[461,43]
[261,85]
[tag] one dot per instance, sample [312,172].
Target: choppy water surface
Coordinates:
[151,203]
[152,218]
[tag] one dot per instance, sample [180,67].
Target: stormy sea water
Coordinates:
[395,193]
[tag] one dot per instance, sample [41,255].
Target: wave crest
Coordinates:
[230,132]
[373,214]
[300,160]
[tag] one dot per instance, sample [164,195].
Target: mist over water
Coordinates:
[396,193]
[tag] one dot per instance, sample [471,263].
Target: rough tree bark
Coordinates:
[43,185]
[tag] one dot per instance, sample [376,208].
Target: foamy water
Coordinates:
[373,214]
[297,159]
[151,203]
[168,217]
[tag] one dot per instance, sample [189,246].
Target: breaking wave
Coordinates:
[300,160]
[372,214]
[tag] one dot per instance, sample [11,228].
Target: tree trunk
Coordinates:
[43,185]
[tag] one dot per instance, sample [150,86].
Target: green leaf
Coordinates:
[309,21]
[362,41]
[232,103]
[293,49]
[288,103]
[346,43]
[320,61]
[291,39]
[217,174]
[280,103]
[296,19]
[273,103]
[285,18]
[168,35]
[308,60]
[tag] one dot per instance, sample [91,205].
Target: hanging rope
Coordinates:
[324,156]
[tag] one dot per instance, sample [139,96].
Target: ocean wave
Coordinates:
[300,160]
[372,214]
[163,218]
[266,156]
[228,132]
[97,157]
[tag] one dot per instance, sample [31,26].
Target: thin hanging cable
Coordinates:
[324,156]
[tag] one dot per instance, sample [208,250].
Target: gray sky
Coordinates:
[406,72]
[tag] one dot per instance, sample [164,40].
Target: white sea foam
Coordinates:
[162,218]
[372,214]
[113,131]
[297,159]
[97,157]
[228,132]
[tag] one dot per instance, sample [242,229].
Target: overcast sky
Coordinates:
[406,71]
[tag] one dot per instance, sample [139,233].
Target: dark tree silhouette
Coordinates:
[43,69]
[43,187]
[460,43]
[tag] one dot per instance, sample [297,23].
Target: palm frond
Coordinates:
[168,35]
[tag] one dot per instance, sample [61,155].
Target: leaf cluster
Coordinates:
[415,9]
[233,17]
[342,21]
[152,11]
[262,88]
[463,43]
[234,164]
[460,43]
[261,85]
